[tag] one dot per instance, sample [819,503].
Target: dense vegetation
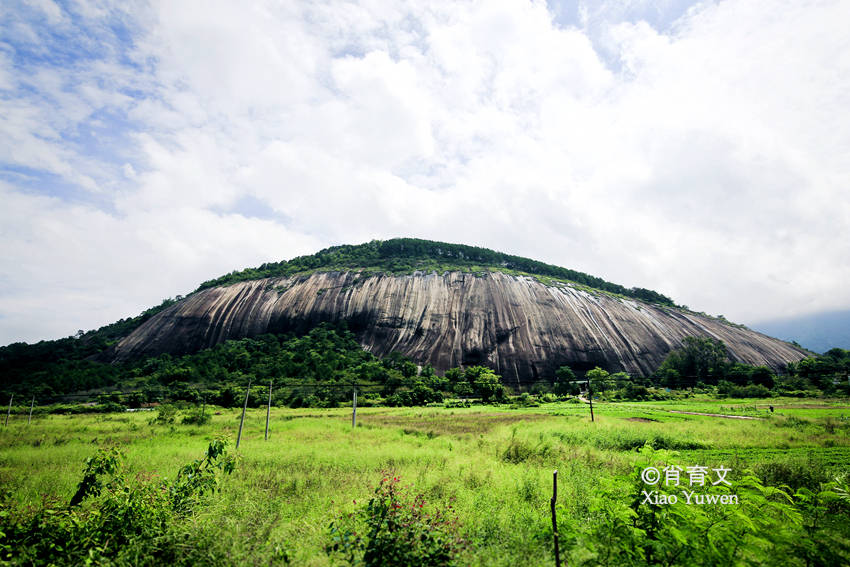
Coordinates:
[767,525]
[703,361]
[702,365]
[324,366]
[113,519]
[406,255]
[320,368]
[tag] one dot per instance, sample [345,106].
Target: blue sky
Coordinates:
[695,148]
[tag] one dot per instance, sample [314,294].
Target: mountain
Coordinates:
[818,332]
[447,305]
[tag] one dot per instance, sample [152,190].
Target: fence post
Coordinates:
[555,518]
[32,403]
[8,413]
[269,410]
[354,409]
[242,421]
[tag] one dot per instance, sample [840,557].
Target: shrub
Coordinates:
[196,417]
[792,472]
[110,407]
[395,529]
[525,400]
[165,415]
[520,450]
[111,520]
[635,392]
[767,526]
[725,388]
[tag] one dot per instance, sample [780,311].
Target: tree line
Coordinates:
[406,255]
[322,367]
[704,363]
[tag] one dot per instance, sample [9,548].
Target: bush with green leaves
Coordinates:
[725,388]
[196,417]
[115,520]
[395,529]
[165,415]
[768,526]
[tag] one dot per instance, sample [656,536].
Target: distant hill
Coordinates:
[818,332]
[447,305]
[438,304]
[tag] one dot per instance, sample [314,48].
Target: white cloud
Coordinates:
[78,267]
[703,157]
[50,10]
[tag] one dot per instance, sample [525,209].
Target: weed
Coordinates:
[765,526]
[110,520]
[792,472]
[394,529]
[165,415]
[197,417]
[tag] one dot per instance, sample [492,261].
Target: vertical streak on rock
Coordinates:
[515,323]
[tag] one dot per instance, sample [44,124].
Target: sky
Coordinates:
[700,149]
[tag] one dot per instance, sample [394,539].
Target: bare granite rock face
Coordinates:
[514,324]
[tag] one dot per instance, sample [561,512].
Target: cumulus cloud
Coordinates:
[694,148]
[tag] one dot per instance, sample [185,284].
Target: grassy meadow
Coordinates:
[492,464]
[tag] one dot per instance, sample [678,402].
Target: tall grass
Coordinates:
[492,464]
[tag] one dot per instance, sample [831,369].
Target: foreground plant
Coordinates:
[109,519]
[396,529]
[626,524]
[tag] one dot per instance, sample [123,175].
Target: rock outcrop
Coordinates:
[522,328]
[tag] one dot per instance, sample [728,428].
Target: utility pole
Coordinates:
[8,413]
[32,403]
[590,398]
[242,421]
[354,409]
[554,517]
[269,410]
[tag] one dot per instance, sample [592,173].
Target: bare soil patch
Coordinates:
[452,424]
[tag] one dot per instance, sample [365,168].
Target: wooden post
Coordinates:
[8,413]
[269,410]
[203,405]
[590,399]
[555,517]
[354,409]
[242,421]
[32,403]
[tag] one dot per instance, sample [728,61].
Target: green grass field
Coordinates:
[493,464]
